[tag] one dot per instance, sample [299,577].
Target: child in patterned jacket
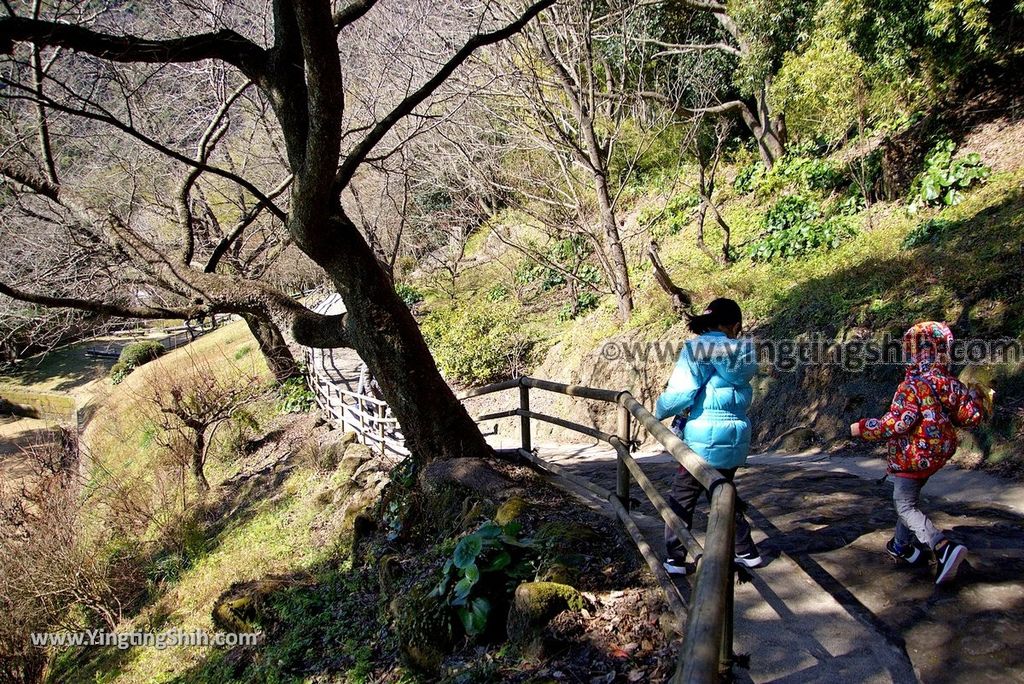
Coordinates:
[921,429]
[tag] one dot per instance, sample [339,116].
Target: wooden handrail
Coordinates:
[707,644]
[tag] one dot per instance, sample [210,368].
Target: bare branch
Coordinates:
[224,45]
[359,153]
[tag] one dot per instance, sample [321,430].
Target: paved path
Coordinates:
[830,606]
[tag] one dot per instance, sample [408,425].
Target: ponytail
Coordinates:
[720,312]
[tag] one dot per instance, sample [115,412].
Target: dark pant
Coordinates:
[686,491]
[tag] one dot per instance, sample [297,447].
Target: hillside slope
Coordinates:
[963,264]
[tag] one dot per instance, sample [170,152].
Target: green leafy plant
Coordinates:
[944,178]
[674,217]
[408,294]
[794,226]
[294,396]
[747,178]
[134,355]
[498,293]
[485,568]
[584,302]
[930,231]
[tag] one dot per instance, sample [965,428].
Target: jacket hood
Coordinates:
[927,347]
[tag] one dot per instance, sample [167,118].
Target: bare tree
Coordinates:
[50,563]
[327,128]
[732,41]
[560,99]
[187,406]
[706,147]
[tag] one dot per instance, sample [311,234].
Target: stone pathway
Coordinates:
[830,605]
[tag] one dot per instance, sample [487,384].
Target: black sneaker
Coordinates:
[674,567]
[751,559]
[908,554]
[949,560]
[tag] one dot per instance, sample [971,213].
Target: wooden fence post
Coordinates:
[381,415]
[622,470]
[524,421]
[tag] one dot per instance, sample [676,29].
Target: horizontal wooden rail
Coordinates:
[707,646]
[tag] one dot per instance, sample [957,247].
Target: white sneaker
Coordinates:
[749,560]
[949,561]
[674,567]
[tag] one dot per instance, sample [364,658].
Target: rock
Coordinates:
[424,627]
[389,569]
[346,439]
[670,625]
[560,573]
[796,440]
[510,510]
[240,608]
[475,474]
[568,535]
[535,604]
[355,456]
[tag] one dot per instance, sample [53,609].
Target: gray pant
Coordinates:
[906,496]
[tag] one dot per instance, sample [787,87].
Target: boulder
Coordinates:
[424,627]
[535,604]
[510,510]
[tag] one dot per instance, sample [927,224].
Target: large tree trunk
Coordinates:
[381,329]
[280,359]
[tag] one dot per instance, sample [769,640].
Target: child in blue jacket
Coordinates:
[709,393]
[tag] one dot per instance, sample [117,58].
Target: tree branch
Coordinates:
[224,45]
[352,12]
[357,155]
[37,184]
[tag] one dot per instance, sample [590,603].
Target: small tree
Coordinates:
[188,406]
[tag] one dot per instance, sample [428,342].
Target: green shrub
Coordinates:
[118,372]
[294,396]
[584,302]
[748,177]
[139,353]
[801,170]
[497,293]
[944,179]
[408,294]
[676,215]
[478,342]
[795,225]
[819,88]
[930,231]
[485,568]
[132,356]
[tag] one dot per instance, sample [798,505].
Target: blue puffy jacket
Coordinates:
[712,380]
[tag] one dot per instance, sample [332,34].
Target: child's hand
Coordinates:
[855,429]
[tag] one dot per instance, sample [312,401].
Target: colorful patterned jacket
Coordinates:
[928,407]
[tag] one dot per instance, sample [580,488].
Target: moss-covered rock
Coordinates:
[424,627]
[559,572]
[535,604]
[568,535]
[354,457]
[511,510]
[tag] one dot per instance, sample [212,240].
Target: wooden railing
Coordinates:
[708,634]
[367,416]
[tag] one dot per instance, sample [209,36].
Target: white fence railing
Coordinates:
[367,416]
